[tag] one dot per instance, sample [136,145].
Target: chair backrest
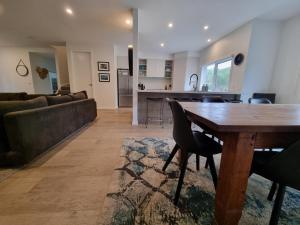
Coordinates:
[213,99]
[259,101]
[270,96]
[284,168]
[182,132]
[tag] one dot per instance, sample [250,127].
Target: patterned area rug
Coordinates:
[141,193]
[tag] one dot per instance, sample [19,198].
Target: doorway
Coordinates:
[82,71]
[44,74]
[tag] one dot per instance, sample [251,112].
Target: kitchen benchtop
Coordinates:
[184,92]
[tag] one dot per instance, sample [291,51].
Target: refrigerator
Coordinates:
[124,88]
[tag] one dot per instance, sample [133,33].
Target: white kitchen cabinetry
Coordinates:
[155,68]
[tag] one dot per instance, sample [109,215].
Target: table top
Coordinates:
[230,117]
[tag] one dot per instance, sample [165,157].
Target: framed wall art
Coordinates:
[103,66]
[104,77]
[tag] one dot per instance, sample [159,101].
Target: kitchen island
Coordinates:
[179,95]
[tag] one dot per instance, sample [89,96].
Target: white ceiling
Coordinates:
[45,21]
[189,17]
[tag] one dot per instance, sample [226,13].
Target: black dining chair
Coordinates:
[212,99]
[259,101]
[190,142]
[265,101]
[282,168]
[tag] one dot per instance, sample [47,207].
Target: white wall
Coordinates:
[10,81]
[262,54]
[185,64]
[230,45]
[192,66]
[105,93]
[135,69]
[155,83]
[41,86]
[179,68]
[122,62]
[62,65]
[158,55]
[286,79]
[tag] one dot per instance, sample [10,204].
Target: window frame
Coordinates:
[216,63]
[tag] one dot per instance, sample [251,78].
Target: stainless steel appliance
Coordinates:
[124,88]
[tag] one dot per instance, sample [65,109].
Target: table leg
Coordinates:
[235,166]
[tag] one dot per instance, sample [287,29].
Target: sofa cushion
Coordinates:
[79,95]
[13,106]
[54,100]
[32,96]
[12,96]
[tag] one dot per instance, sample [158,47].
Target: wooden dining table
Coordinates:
[242,128]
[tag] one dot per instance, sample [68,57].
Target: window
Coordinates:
[217,75]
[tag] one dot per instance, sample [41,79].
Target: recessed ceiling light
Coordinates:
[206,27]
[170,25]
[162,44]
[208,40]
[128,22]
[130,46]
[69,11]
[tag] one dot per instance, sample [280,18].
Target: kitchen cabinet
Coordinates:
[155,68]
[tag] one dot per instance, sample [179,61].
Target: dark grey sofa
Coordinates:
[30,132]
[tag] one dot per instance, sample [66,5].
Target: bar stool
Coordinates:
[160,103]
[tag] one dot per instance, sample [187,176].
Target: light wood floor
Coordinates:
[67,185]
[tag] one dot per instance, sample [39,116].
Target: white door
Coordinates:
[82,72]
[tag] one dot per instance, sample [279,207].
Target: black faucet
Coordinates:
[194,74]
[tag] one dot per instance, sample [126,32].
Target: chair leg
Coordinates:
[197,162]
[277,205]
[181,177]
[175,149]
[147,115]
[213,171]
[272,191]
[206,164]
[162,113]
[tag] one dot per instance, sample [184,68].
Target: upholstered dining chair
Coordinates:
[190,142]
[259,101]
[265,101]
[212,99]
[282,168]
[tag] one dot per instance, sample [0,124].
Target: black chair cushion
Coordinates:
[280,167]
[261,160]
[259,101]
[213,99]
[205,146]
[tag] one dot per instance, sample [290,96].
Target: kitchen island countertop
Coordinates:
[167,115]
[185,92]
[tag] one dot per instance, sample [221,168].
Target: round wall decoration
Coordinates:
[22,69]
[238,60]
